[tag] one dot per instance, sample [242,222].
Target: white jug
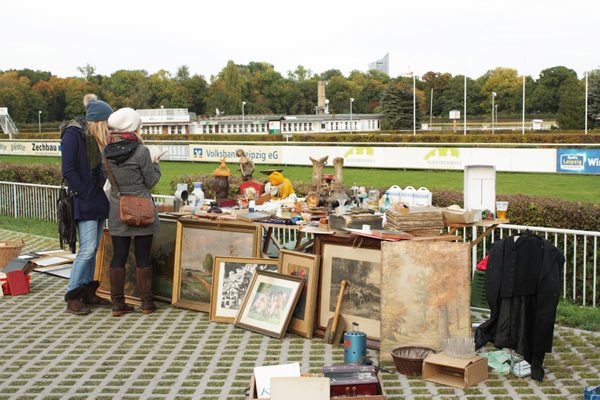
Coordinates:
[408,196]
[422,197]
[395,193]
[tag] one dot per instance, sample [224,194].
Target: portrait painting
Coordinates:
[269,303]
[199,242]
[305,266]
[231,280]
[162,257]
[426,294]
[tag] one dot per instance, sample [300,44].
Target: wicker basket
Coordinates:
[10,249]
[409,359]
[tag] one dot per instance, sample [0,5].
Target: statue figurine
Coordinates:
[221,181]
[246,165]
[317,172]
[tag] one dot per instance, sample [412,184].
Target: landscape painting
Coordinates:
[200,242]
[425,290]
[361,267]
[162,257]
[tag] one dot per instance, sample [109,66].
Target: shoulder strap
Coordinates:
[106,163]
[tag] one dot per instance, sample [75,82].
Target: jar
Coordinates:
[373,201]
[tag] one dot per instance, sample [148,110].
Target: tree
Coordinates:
[545,98]
[397,108]
[507,84]
[571,107]
[594,98]
[130,88]
[87,71]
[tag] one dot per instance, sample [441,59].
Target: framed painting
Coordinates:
[162,256]
[357,260]
[198,243]
[304,266]
[426,294]
[231,279]
[269,303]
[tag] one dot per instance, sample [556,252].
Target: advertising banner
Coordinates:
[23,148]
[578,161]
[214,152]
[175,152]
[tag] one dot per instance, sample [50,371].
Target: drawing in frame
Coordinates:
[198,242]
[162,257]
[269,303]
[358,262]
[231,280]
[305,266]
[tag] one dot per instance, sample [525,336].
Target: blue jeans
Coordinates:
[82,272]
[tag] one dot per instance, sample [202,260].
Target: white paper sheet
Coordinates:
[263,375]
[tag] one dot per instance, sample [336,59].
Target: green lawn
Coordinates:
[584,188]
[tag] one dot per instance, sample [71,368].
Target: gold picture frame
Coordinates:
[231,280]
[162,255]
[269,303]
[197,243]
[304,265]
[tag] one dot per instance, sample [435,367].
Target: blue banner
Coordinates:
[578,161]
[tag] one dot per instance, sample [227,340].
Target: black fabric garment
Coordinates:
[522,285]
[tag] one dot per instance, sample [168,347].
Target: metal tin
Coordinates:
[355,346]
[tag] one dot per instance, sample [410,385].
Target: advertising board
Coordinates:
[578,161]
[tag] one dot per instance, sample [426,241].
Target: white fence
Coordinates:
[580,248]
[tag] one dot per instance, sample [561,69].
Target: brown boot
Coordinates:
[91,298]
[117,292]
[74,303]
[144,285]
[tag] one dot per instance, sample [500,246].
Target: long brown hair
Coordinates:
[99,131]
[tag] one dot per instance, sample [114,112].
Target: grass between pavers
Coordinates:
[575,316]
[571,187]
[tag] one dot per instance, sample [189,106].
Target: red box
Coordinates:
[6,288]
[352,380]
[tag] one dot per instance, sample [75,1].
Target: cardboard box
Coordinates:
[381,395]
[458,372]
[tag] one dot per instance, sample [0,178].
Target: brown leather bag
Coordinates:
[133,210]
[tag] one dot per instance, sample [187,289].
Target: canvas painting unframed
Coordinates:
[425,290]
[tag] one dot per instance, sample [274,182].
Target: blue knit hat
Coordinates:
[96,110]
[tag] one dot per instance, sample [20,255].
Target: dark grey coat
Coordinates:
[136,175]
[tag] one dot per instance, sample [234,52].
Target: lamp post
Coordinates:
[243,121]
[414,103]
[40,121]
[493,110]
[351,101]
[465,108]
[523,120]
[586,103]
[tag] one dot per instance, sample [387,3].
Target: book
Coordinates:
[253,216]
[17,283]
[263,376]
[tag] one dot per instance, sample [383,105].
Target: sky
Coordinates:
[461,37]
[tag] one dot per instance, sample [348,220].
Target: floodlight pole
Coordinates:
[523,121]
[414,104]
[465,108]
[586,102]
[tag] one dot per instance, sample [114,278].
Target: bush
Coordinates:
[45,174]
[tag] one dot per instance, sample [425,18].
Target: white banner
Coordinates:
[267,154]
[443,158]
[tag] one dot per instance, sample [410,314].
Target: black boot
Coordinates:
[90,297]
[144,285]
[74,303]
[117,292]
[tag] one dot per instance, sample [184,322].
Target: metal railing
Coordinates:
[580,248]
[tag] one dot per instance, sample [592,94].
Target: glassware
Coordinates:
[501,208]
[461,347]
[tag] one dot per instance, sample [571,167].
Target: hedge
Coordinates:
[550,137]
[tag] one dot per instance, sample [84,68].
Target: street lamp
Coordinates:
[414,104]
[351,101]
[465,108]
[243,122]
[493,110]
[40,121]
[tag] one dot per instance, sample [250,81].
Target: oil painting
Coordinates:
[162,257]
[425,294]
[199,242]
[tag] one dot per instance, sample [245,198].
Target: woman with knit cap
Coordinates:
[130,168]
[81,140]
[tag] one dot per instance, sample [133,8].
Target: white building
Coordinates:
[163,121]
[285,124]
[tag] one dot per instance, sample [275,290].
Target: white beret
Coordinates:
[124,120]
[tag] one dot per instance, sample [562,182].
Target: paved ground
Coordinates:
[46,353]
